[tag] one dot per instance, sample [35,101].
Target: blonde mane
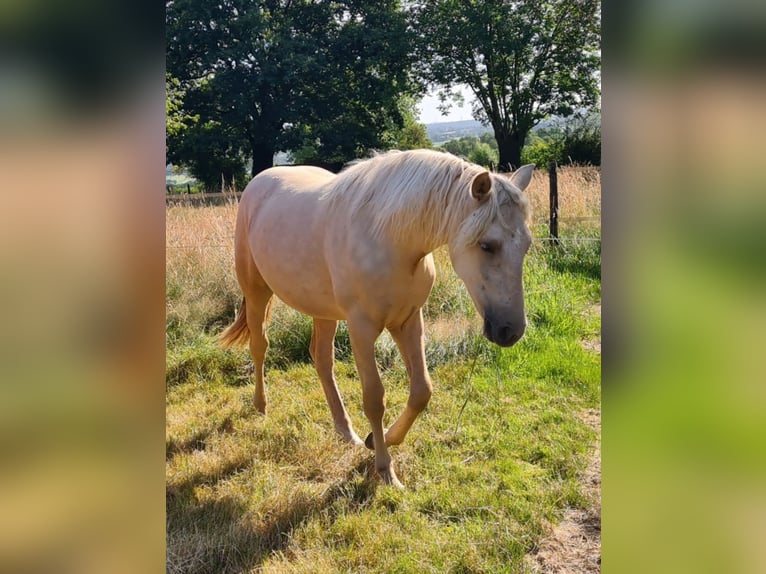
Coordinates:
[424,190]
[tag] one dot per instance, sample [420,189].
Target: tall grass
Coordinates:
[579,190]
[494,459]
[201,288]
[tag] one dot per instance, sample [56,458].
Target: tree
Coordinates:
[323,143]
[578,142]
[212,152]
[411,134]
[275,74]
[176,120]
[581,141]
[483,154]
[461,147]
[522,59]
[481,150]
[541,151]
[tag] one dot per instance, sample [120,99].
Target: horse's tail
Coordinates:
[236,334]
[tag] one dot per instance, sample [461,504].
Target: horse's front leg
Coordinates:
[409,339]
[363,332]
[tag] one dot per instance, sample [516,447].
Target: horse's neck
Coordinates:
[421,212]
[434,227]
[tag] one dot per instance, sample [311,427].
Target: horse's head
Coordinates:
[488,251]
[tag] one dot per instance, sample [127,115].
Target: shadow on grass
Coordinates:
[198,441]
[202,359]
[226,535]
[581,258]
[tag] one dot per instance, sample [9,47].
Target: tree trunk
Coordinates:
[263,157]
[509,146]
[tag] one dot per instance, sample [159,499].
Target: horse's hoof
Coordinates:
[389,478]
[260,404]
[356,441]
[351,438]
[369,442]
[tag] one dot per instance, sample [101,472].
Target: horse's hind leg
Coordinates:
[258,307]
[322,352]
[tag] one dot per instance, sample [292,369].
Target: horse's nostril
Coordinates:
[504,333]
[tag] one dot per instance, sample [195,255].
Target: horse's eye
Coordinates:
[487,247]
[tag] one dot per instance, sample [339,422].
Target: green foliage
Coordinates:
[541,151]
[289,75]
[176,120]
[213,153]
[460,147]
[483,155]
[411,134]
[402,133]
[524,63]
[582,141]
[578,142]
[480,150]
[308,153]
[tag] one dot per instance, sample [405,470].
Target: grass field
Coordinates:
[496,458]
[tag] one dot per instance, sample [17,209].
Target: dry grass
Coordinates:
[579,190]
[200,281]
[579,193]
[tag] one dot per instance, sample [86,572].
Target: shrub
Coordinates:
[541,152]
[483,154]
[577,143]
[582,146]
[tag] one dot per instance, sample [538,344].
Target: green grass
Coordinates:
[496,456]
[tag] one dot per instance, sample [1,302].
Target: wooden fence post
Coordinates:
[554,196]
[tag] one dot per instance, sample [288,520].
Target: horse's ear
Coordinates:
[522,176]
[481,185]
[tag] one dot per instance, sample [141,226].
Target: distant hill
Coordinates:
[441,132]
[444,131]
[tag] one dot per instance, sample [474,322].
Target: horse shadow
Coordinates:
[222,535]
[575,259]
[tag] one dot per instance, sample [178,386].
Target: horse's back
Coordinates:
[283,193]
[288,179]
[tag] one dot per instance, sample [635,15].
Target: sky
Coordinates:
[429,114]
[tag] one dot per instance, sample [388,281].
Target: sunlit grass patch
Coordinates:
[480,485]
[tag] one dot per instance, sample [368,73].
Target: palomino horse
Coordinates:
[357,246]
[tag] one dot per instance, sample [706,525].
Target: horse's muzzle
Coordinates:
[503,333]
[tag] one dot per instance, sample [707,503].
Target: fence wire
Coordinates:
[549,239]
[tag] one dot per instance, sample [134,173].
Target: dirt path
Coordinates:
[574,545]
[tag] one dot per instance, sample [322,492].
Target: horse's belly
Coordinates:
[313,300]
[297,275]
